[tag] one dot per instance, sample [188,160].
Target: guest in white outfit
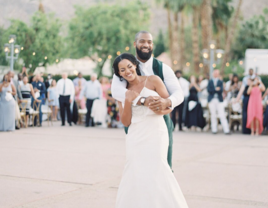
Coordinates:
[180,108]
[228,87]
[65,89]
[215,103]
[91,91]
[79,77]
[203,94]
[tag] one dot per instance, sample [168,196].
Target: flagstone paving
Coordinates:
[77,167]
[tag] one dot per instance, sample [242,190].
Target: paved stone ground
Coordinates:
[77,167]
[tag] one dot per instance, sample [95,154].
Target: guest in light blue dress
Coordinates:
[7,105]
[53,99]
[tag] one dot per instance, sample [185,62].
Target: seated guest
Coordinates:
[26,91]
[7,105]
[255,109]
[215,103]
[194,113]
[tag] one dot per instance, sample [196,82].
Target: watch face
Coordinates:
[142,100]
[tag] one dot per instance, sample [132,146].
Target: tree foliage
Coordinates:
[41,37]
[252,34]
[159,44]
[103,30]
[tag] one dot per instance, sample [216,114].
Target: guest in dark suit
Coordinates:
[215,103]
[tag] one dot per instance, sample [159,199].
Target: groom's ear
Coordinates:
[134,44]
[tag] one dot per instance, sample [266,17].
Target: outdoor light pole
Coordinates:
[10,47]
[210,58]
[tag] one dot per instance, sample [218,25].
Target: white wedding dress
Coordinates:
[148,181]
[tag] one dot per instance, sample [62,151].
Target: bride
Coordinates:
[147,181]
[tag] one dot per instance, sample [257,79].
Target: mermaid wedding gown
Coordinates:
[148,181]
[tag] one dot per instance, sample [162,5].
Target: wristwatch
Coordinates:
[143,100]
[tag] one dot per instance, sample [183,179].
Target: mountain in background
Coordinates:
[64,9]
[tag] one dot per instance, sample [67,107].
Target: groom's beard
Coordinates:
[142,55]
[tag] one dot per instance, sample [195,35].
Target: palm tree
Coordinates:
[206,25]
[230,37]
[195,8]
[173,7]
[221,13]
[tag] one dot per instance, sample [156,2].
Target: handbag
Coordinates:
[8,96]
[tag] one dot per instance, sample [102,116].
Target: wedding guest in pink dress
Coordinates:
[255,109]
[105,85]
[80,102]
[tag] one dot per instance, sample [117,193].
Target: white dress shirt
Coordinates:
[185,86]
[170,80]
[69,88]
[91,90]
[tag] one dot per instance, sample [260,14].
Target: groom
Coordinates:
[151,66]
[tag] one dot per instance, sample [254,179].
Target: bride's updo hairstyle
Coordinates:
[129,57]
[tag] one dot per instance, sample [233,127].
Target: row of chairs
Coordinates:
[232,115]
[34,113]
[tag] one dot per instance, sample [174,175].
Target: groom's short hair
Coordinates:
[140,32]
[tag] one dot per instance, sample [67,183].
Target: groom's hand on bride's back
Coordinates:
[131,95]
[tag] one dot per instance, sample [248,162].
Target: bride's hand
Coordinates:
[131,95]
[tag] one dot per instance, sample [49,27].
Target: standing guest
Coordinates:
[255,109]
[228,86]
[194,112]
[20,79]
[24,71]
[53,100]
[243,91]
[91,91]
[105,85]
[79,77]
[17,97]
[48,82]
[26,91]
[179,109]
[203,94]
[44,95]
[39,90]
[265,118]
[113,110]
[234,87]
[7,105]
[100,112]
[81,102]
[65,89]
[215,103]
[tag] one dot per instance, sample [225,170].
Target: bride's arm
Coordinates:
[126,112]
[161,89]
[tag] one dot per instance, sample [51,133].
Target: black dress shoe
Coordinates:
[17,128]
[62,124]
[70,124]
